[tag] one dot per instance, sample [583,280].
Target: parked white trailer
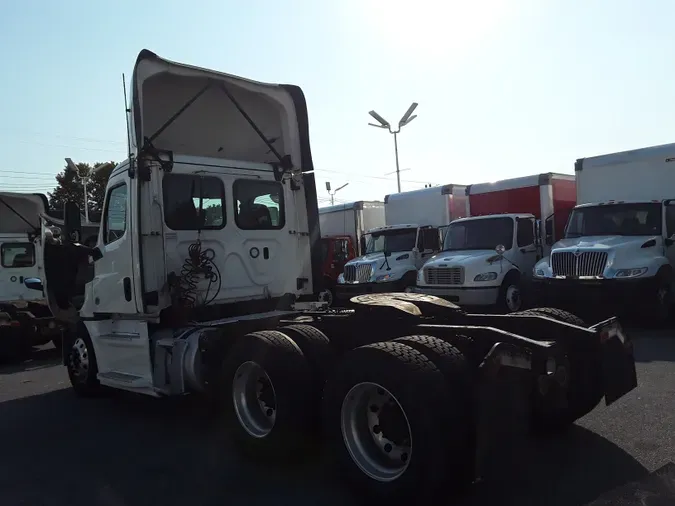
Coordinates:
[412,235]
[618,243]
[353,220]
[211,293]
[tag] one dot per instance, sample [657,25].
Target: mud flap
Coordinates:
[502,403]
[618,362]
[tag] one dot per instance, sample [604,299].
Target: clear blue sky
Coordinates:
[505,88]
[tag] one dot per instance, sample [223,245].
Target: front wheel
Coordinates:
[82,367]
[510,297]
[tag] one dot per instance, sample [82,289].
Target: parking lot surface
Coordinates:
[128,451]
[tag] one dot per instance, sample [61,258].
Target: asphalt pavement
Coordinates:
[127,450]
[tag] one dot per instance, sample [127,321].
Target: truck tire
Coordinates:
[320,357]
[556,314]
[382,399]
[82,366]
[585,389]
[408,282]
[268,381]
[510,297]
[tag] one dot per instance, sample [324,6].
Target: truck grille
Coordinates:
[586,263]
[358,273]
[444,275]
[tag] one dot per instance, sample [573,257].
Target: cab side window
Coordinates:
[115,215]
[525,233]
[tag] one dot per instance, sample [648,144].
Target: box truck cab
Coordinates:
[487,259]
[617,247]
[394,252]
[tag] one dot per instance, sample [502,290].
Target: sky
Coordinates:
[505,88]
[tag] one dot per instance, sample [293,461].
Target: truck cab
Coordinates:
[615,251]
[392,257]
[485,261]
[336,251]
[213,217]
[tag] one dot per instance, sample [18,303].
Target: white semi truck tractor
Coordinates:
[207,264]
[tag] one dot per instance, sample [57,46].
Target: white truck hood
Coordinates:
[21,212]
[211,124]
[457,258]
[602,242]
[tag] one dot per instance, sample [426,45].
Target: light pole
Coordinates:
[332,194]
[383,123]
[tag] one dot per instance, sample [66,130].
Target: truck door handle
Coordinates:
[127,289]
[266,253]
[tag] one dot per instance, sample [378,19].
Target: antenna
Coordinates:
[126,114]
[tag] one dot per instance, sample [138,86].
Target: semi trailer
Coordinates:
[617,248]
[487,258]
[213,293]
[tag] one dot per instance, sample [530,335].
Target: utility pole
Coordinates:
[383,123]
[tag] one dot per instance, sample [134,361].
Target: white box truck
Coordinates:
[618,243]
[412,234]
[343,228]
[487,258]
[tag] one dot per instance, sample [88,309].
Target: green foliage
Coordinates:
[69,187]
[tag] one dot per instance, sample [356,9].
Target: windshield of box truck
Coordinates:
[391,240]
[615,219]
[479,234]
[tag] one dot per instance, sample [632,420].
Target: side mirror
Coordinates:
[500,249]
[72,222]
[33,284]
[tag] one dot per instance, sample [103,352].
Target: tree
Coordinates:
[69,188]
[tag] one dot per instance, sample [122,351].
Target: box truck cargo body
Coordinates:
[394,252]
[488,257]
[343,229]
[617,246]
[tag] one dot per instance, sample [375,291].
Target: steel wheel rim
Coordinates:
[513,300]
[365,438]
[79,360]
[254,399]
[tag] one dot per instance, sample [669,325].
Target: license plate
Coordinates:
[618,363]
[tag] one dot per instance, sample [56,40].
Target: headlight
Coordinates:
[383,277]
[486,276]
[538,272]
[420,276]
[630,273]
[341,278]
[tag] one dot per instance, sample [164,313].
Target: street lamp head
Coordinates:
[327,185]
[71,165]
[407,116]
[383,123]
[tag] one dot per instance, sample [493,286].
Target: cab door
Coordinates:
[112,314]
[527,252]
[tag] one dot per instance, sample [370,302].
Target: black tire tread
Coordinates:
[556,314]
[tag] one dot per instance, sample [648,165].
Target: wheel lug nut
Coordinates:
[270,412]
[376,429]
[404,457]
[374,408]
[387,448]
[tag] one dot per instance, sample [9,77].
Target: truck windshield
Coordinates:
[391,241]
[615,219]
[479,234]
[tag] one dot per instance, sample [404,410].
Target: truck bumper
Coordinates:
[344,292]
[606,294]
[469,296]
